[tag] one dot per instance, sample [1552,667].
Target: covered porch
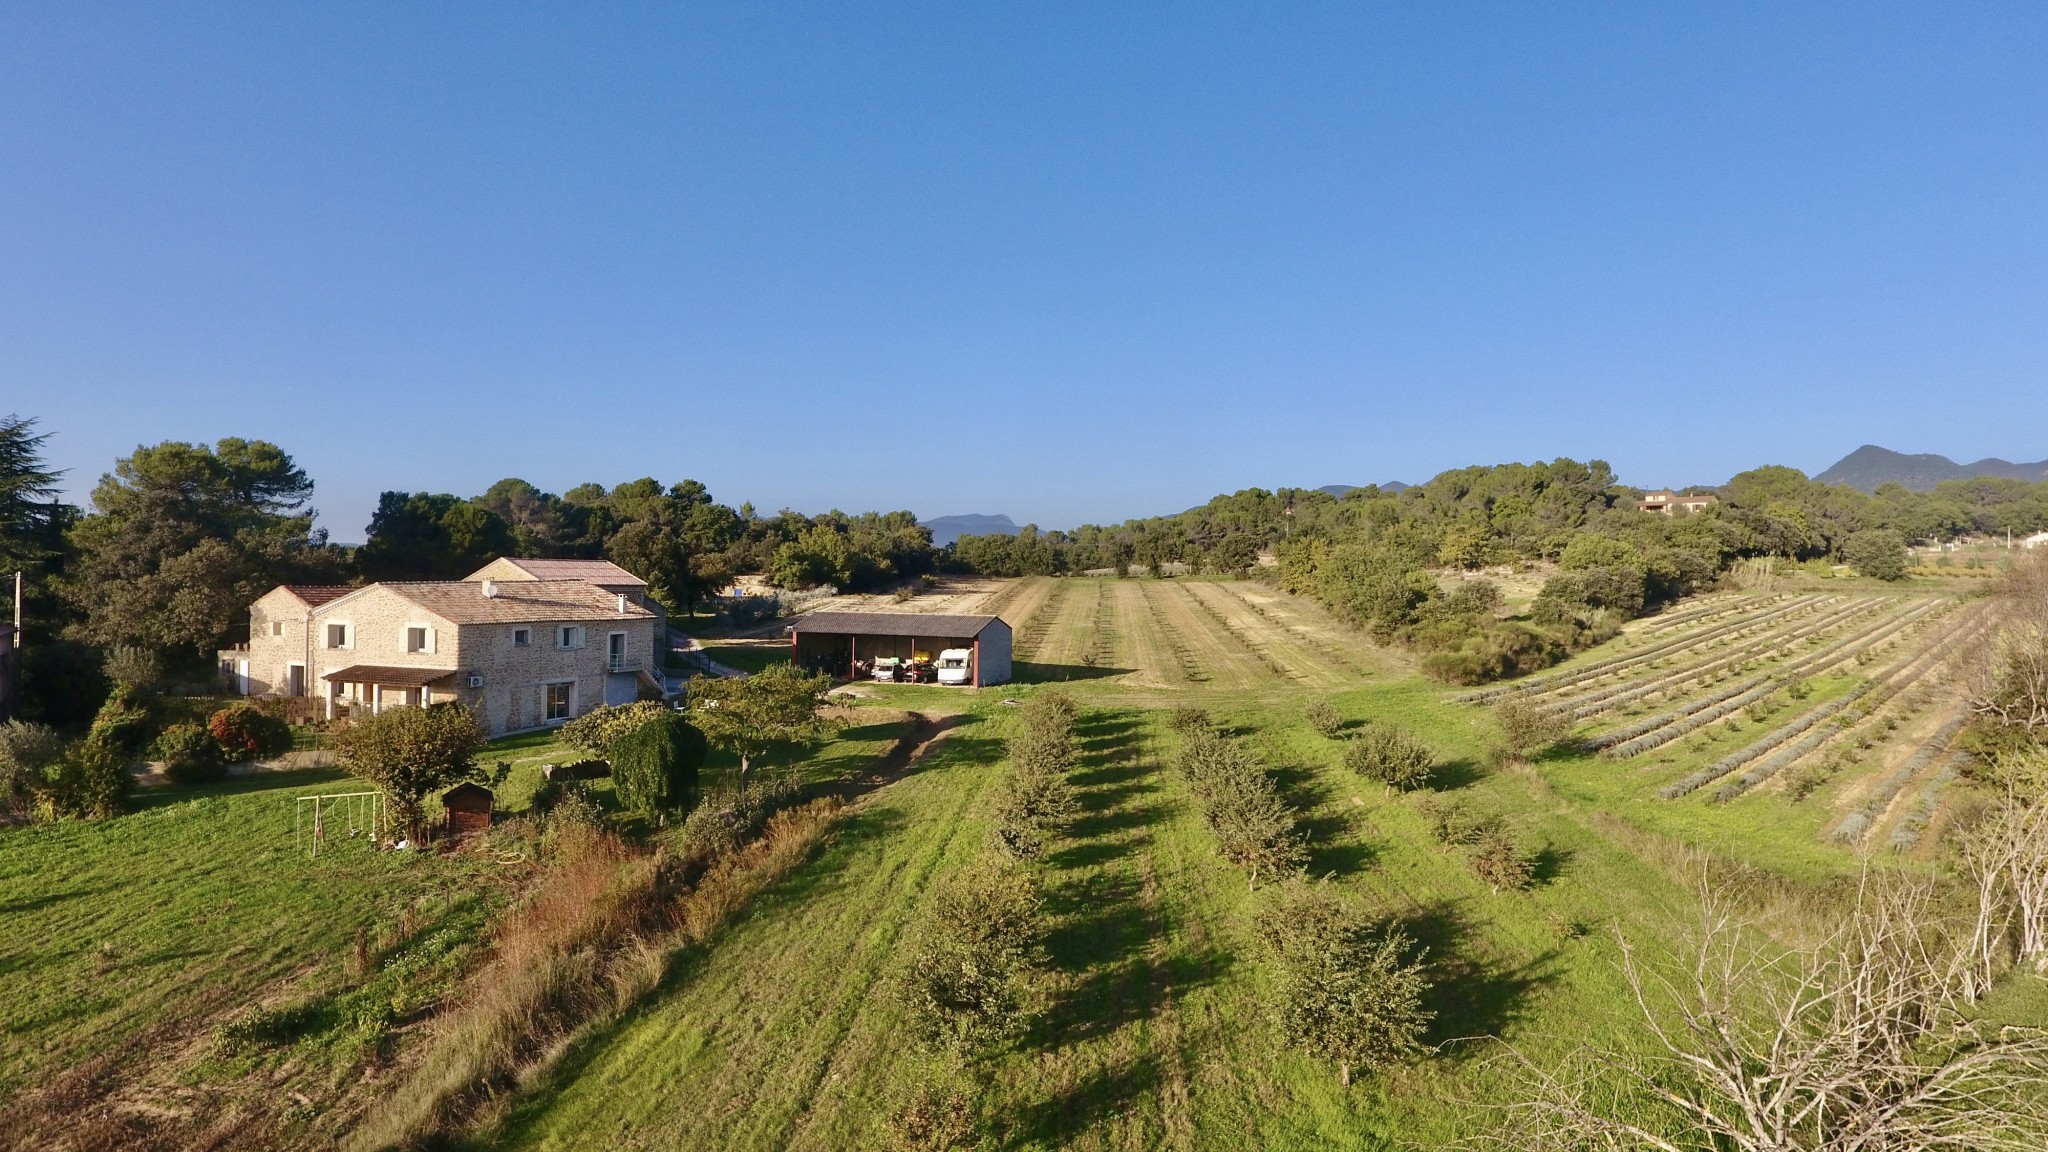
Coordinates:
[372,688]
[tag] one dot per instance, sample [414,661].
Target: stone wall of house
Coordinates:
[516,676]
[277,640]
[376,619]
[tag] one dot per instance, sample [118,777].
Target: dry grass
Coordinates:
[596,936]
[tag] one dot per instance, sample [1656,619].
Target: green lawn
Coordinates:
[787,1035]
[169,919]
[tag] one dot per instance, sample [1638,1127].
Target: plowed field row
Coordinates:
[1714,665]
[1615,664]
[1297,633]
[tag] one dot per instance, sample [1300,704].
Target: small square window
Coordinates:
[415,639]
[337,635]
[521,637]
[277,627]
[569,636]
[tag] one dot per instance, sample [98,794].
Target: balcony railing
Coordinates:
[622,664]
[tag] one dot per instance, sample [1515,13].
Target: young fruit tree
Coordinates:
[1860,1040]
[1344,987]
[968,985]
[1391,756]
[753,716]
[1035,799]
[1526,729]
[1324,718]
[411,752]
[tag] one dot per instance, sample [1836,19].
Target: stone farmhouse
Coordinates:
[1670,503]
[526,652]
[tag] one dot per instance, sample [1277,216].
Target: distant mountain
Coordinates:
[1338,490]
[946,529]
[1869,466]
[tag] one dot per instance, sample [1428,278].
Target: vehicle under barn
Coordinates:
[842,644]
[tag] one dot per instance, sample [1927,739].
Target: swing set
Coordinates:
[353,815]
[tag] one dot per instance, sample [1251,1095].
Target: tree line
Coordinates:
[1372,555]
[178,539]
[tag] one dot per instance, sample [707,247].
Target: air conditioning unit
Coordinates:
[476,680]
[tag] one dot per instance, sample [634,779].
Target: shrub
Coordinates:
[729,818]
[1878,553]
[25,751]
[1187,719]
[1452,823]
[599,728]
[1035,799]
[136,669]
[1526,730]
[1497,859]
[246,732]
[1344,987]
[91,780]
[968,984]
[654,765]
[190,754]
[410,752]
[1391,756]
[1324,718]
[123,725]
[932,1116]
[1254,826]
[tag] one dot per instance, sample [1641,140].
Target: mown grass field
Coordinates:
[1152,1033]
[787,1033]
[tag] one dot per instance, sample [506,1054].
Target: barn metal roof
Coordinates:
[927,624]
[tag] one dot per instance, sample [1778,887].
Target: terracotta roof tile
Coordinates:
[517,601]
[595,571]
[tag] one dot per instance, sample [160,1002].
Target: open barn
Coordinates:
[838,643]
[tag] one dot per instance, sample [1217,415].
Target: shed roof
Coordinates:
[389,675]
[516,601]
[595,571]
[926,624]
[467,791]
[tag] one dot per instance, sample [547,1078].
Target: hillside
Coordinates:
[946,529]
[1870,466]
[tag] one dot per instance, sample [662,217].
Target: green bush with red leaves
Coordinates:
[246,732]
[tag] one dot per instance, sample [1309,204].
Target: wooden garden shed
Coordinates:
[469,809]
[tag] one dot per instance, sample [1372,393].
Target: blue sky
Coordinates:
[1066,262]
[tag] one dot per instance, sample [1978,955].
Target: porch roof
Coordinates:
[388,675]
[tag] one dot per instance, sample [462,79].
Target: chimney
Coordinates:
[622,603]
[490,589]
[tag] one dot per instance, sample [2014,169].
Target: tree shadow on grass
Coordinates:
[1451,775]
[1057,1120]
[1034,673]
[1469,996]
[1549,864]
[1119,980]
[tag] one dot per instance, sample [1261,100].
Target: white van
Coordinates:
[955,666]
